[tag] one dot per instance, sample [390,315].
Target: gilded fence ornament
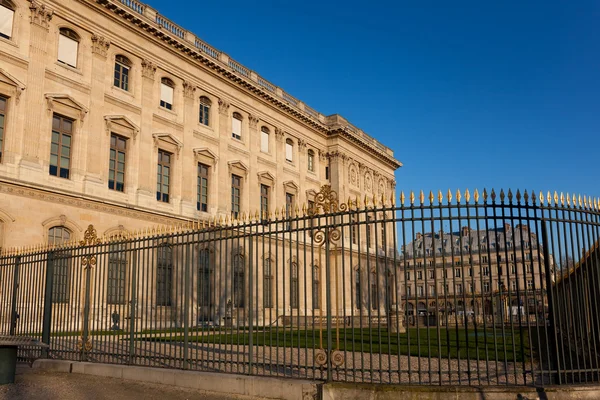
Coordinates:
[526,197]
[431,198]
[467,196]
[476,196]
[458,196]
[518,196]
[412,198]
[402,198]
[90,237]
[541,198]
[493,196]
[485,195]
[510,195]
[440,197]
[502,195]
[549,198]
[393,198]
[421,198]
[449,197]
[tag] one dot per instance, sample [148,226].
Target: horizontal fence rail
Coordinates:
[469,290]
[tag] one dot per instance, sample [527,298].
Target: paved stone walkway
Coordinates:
[37,384]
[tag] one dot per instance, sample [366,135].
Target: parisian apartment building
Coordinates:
[113,115]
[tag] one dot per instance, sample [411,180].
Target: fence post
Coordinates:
[13,308]
[186,307]
[132,308]
[554,360]
[250,304]
[328,302]
[47,321]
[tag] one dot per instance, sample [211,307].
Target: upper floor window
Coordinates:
[236,189]
[60,147]
[163,176]
[167,88]
[122,67]
[204,115]
[202,200]
[3,103]
[311,160]
[7,15]
[68,45]
[58,235]
[164,275]
[61,264]
[236,126]
[264,139]
[116,166]
[117,267]
[289,150]
[264,201]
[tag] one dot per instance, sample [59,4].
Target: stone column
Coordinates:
[147,153]
[252,181]
[187,158]
[223,180]
[97,164]
[277,194]
[302,168]
[39,19]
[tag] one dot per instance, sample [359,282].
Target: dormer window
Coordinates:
[167,88]
[68,46]
[7,16]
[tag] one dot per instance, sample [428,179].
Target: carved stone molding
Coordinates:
[40,15]
[52,99]
[322,155]
[168,141]
[10,84]
[100,45]
[301,145]
[148,69]
[122,125]
[253,121]
[223,107]
[188,90]
[279,134]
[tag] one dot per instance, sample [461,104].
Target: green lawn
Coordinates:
[425,342]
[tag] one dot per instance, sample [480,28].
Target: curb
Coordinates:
[240,385]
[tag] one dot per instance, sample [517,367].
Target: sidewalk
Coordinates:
[40,384]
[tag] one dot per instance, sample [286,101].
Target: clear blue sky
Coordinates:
[467,94]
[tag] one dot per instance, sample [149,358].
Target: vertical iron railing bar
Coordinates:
[576,307]
[250,317]
[455,302]
[13,297]
[311,263]
[360,294]
[134,265]
[445,290]
[425,288]
[328,300]
[277,308]
[464,286]
[352,225]
[491,279]
[594,261]
[416,296]
[342,252]
[367,291]
[377,283]
[481,264]
[472,284]
[397,295]
[499,248]
[390,273]
[579,254]
[187,282]
[435,291]
[506,308]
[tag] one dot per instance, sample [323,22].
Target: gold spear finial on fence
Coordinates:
[548,198]
[526,197]
[431,198]
[422,197]
[412,198]
[366,201]
[374,200]
[440,197]
[568,200]
[476,196]
[449,196]
[502,195]
[518,196]
[276,212]
[458,196]
[393,198]
[402,198]
[467,196]
[493,195]
[574,200]
[510,195]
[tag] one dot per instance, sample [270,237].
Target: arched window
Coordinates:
[164,275]
[316,287]
[236,126]
[294,286]
[122,67]
[264,139]
[60,262]
[267,284]
[239,289]
[205,104]
[68,47]
[167,88]
[289,150]
[7,16]
[204,278]
[311,160]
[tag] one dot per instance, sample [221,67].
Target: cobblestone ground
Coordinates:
[300,363]
[36,384]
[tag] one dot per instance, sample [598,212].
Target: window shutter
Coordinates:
[264,142]
[6,21]
[288,152]
[237,126]
[67,50]
[166,93]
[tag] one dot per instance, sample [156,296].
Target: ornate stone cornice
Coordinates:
[40,15]
[279,134]
[100,45]
[322,155]
[148,69]
[301,145]
[188,90]
[223,107]
[253,121]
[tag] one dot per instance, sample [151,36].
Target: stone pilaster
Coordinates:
[224,195]
[190,119]
[147,154]
[40,22]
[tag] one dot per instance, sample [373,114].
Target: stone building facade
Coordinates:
[114,116]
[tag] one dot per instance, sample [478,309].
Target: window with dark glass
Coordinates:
[239,289]
[294,286]
[202,188]
[164,275]
[60,147]
[311,160]
[204,115]
[368,227]
[264,202]
[61,264]
[163,175]
[204,278]
[7,15]
[316,288]
[3,107]
[122,66]
[117,266]
[236,189]
[357,289]
[375,295]
[116,166]
[267,284]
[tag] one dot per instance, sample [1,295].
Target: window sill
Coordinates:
[167,110]
[69,68]
[206,127]
[240,141]
[9,41]
[123,91]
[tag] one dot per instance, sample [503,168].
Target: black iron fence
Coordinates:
[483,290]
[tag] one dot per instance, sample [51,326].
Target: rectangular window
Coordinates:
[420,291]
[117,266]
[530,285]
[164,276]
[513,286]
[166,96]
[163,175]
[264,141]
[204,112]
[121,74]
[470,288]
[289,150]
[3,103]
[264,202]
[484,259]
[419,275]
[431,290]
[353,228]
[116,166]
[6,21]
[267,284]
[409,291]
[61,263]
[486,271]
[368,228]
[236,127]
[67,50]
[459,288]
[486,287]
[374,296]
[60,148]
[236,188]
[289,207]
[457,272]
[528,268]
[202,188]
[431,274]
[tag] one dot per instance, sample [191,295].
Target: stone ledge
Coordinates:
[349,391]
[240,385]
